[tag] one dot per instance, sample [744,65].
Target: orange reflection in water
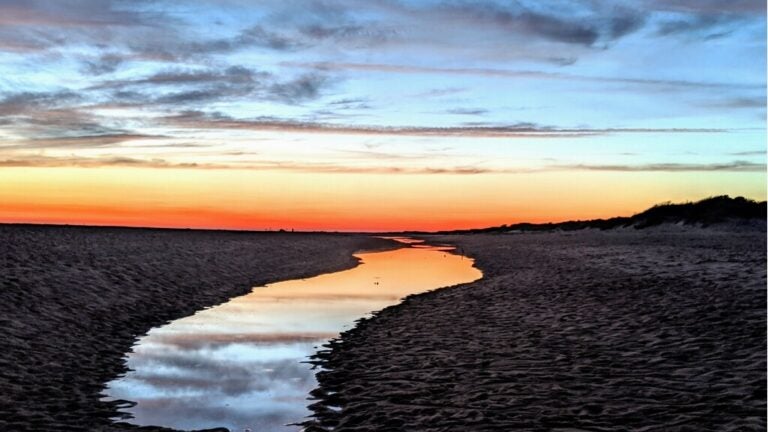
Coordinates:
[237,365]
[388,275]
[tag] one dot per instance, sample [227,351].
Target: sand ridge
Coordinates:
[74,299]
[653,330]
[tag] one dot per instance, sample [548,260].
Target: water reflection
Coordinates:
[237,365]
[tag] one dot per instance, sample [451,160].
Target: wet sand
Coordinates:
[661,329]
[73,300]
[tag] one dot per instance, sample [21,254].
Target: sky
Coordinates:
[375,115]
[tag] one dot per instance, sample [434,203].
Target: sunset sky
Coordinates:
[375,115]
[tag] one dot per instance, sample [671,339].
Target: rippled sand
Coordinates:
[654,330]
[73,300]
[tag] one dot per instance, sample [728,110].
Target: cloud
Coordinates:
[15,43]
[15,104]
[467,111]
[752,7]
[359,34]
[551,27]
[749,153]
[705,26]
[200,120]
[37,161]
[193,96]
[440,92]
[231,75]
[76,14]
[106,63]
[84,141]
[54,114]
[302,88]
[350,104]
[187,341]
[179,145]
[380,155]
[148,33]
[706,19]
[43,161]
[256,36]
[522,21]
[578,23]
[737,166]
[199,86]
[508,73]
[739,102]
[253,37]
[335,168]
[624,24]
[108,52]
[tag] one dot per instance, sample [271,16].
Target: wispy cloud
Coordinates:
[371,155]
[705,19]
[739,102]
[507,73]
[230,75]
[104,64]
[467,111]
[83,13]
[330,167]
[755,7]
[305,87]
[750,153]
[669,167]
[19,103]
[199,120]
[546,23]
[706,26]
[51,115]
[38,161]
[181,87]
[111,74]
[79,142]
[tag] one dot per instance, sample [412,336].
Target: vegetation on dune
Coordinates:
[705,212]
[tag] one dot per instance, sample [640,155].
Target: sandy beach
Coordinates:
[383,216]
[656,329]
[661,329]
[74,299]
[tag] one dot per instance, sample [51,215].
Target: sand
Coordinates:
[659,329]
[654,330]
[73,300]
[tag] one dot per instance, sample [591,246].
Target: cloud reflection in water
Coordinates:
[238,365]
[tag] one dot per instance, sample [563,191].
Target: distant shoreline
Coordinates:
[707,211]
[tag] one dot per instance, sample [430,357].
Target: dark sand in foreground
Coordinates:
[74,299]
[660,329]
[655,330]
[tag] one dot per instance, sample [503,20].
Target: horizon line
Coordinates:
[320,231]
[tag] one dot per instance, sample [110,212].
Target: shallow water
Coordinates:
[239,364]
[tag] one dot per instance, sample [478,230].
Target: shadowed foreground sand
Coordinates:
[72,301]
[654,330]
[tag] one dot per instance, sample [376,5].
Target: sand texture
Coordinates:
[73,300]
[650,330]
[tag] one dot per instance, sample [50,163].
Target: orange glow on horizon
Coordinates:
[271,200]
